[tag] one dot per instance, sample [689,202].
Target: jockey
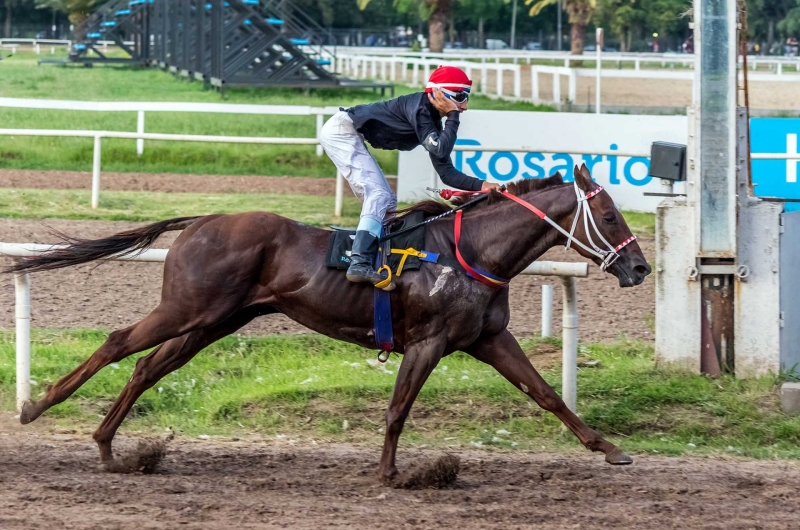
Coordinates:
[402,124]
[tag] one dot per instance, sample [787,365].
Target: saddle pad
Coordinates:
[341,243]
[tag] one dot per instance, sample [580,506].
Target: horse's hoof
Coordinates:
[28,413]
[388,476]
[617,457]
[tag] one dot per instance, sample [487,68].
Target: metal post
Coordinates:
[320,123]
[96,172]
[558,26]
[337,207]
[514,25]
[547,310]
[22,287]
[569,377]
[140,130]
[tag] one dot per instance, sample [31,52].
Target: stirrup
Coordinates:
[383,355]
[388,281]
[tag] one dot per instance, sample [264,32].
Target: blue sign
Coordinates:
[775,178]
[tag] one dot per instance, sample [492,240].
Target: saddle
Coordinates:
[402,251]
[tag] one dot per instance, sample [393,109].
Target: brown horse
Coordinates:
[225,270]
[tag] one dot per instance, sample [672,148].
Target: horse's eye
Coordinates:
[610,220]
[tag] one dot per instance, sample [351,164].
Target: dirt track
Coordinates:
[55,481]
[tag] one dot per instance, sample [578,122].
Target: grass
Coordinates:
[313,387]
[21,78]
[155,206]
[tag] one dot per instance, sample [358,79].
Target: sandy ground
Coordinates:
[55,481]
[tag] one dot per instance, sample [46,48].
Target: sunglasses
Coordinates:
[460,97]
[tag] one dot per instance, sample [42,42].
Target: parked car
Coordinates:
[533,46]
[496,44]
[455,46]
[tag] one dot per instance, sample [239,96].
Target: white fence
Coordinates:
[142,107]
[385,68]
[22,284]
[619,58]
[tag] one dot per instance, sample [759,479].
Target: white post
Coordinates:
[427,73]
[22,287]
[484,79]
[599,40]
[499,81]
[415,77]
[320,123]
[140,130]
[573,85]
[556,87]
[52,50]
[38,49]
[636,64]
[780,68]
[547,310]
[534,84]
[96,172]
[393,73]
[337,206]
[569,378]
[517,83]
[383,69]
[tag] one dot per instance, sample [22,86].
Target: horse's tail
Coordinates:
[80,251]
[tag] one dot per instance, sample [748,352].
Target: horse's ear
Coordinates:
[583,178]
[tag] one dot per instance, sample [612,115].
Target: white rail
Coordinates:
[142,107]
[22,283]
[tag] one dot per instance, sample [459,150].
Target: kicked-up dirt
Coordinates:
[55,481]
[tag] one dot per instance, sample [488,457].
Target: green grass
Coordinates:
[156,206]
[309,386]
[21,78]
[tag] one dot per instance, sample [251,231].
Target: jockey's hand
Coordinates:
[441,102]
[492,186]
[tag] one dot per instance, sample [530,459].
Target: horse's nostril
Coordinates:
[641,270]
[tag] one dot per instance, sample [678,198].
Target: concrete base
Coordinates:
[790,398]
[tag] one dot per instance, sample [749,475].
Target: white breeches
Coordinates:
[346,148]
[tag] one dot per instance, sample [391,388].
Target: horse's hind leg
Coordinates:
[160,325]
[502,351]
[150,369]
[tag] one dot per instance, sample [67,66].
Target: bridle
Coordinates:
[607,256]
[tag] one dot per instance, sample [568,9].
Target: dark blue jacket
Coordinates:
[408,121]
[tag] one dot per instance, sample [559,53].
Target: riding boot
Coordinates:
[362,259]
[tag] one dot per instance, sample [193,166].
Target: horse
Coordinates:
[225,270]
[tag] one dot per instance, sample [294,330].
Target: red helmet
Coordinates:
[449,77]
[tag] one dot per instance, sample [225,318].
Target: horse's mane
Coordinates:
[433,207]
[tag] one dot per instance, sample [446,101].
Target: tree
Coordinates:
[765,16]
[77,10]
[621,17]
[579,14]
[478,12]
[436,12]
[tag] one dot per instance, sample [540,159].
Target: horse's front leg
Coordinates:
[418,362]
[502,351]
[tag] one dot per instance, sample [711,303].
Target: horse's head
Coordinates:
[600,227]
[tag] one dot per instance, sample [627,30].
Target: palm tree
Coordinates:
[579,13]
[436,12]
